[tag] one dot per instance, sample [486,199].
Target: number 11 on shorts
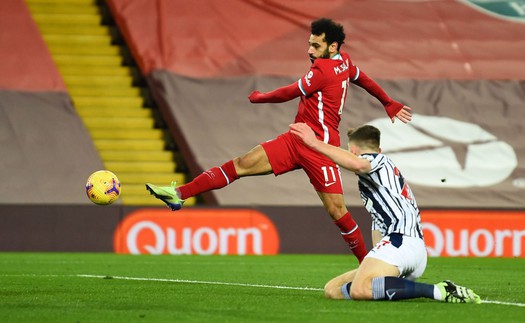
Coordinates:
[329,175]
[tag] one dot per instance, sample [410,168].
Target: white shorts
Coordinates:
[408,254]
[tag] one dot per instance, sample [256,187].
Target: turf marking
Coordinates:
[503,303]
[245,285]
[202,282]
[227,284]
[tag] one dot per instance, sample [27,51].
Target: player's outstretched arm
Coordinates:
[282,94]
[342,157]
[396,109]
[393,108]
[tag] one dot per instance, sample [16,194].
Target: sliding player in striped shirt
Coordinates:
[399,256]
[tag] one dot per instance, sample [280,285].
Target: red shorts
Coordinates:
[288,152]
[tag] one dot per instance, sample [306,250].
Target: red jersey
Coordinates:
[324,90]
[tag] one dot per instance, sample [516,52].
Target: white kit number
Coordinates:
[344,85]
[329,175]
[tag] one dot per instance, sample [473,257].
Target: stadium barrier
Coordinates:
[242,231]
[79,228]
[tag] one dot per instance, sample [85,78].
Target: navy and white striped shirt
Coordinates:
[388,198]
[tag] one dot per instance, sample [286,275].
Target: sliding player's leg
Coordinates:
[254,162]
[378,280]
[452,293]
[396,288]
[378,277]
[333,289]
[395,256]
[361,287]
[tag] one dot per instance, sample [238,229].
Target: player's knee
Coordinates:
[336,211]
[360,292]
[255,162]
[331,291]
[335,206]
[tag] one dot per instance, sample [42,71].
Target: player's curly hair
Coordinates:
[333,31]
[365,136]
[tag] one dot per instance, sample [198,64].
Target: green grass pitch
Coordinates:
[83,287]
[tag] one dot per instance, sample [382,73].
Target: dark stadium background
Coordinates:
[64,112]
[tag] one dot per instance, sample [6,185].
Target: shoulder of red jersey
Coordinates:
[353,70]
[345,55]
[338,64]
[323,69]
[315,78]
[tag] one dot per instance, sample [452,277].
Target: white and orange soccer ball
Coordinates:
[103,187]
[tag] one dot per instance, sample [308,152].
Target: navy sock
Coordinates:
[395,288]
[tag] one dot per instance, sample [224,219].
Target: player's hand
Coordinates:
[303,131]
[405,114]
[255,97]
[396,109]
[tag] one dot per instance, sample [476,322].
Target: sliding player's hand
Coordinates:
[303,131]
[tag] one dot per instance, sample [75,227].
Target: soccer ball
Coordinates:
[103,187]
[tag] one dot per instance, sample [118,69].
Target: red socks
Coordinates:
[213,178]
[352,235]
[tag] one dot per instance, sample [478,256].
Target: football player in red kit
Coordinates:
[322,93]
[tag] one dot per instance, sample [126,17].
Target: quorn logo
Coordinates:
[474,233]
[202,232]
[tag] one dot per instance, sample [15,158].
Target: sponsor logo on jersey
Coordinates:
[308,78]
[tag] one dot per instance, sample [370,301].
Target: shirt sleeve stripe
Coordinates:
[356,74]
[300,83]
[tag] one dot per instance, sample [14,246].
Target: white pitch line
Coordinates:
[203,282]
[170,280]
[503,303]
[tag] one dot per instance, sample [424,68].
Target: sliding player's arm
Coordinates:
[342,157]
[392,108]
[376,237]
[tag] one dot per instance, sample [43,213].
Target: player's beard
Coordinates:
[325,54]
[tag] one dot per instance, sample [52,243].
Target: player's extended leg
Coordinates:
[254,162]
[361,287]
[395,288]
[333,289]
[375,280]
[350,232]
[378,280]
